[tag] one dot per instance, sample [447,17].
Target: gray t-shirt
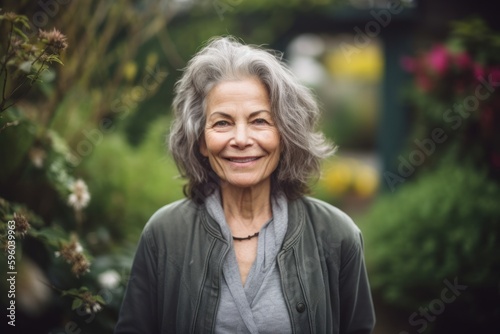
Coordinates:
[258,306]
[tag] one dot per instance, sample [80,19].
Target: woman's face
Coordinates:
[241,140]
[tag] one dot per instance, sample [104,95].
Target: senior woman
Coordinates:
[246,251]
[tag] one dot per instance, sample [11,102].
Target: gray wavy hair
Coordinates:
[293,107]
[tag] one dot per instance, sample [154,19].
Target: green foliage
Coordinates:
[475,35]
[130,183]
[25,59]
[39,157]
[444,225]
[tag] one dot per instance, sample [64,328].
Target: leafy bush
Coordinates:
[445,225]
[430,242]
[71,273]
[130,183]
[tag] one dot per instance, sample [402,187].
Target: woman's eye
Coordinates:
[260,121]
[221,123]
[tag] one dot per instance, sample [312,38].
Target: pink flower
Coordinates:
[408,64]
[463,60]
[438,59]
[478,70]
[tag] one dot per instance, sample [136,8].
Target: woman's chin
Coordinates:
[245,183]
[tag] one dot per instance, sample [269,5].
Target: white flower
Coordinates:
[25,66]
[109,279]
[78,247]
[37,156]
[92,307]
[96,307]
[80,196]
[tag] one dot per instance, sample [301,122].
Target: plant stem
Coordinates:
[37,75]
[4,66]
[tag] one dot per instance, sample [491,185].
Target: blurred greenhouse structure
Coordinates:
[408,91]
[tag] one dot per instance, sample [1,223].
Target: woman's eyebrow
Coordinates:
[255,113]
[223,114]
[219,113]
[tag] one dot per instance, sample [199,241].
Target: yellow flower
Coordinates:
[151,59]
[130,70]
[366,181]
[338,178]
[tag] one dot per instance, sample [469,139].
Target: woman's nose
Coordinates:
[241,138]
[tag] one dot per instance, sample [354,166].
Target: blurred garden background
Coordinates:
[408,90]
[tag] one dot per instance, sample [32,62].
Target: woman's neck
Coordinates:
[246,209]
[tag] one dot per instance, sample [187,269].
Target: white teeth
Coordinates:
[242,160]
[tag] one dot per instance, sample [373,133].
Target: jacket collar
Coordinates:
[210,224]
[296,223]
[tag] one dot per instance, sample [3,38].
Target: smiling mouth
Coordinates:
[243,160]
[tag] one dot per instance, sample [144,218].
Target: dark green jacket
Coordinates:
[174,285]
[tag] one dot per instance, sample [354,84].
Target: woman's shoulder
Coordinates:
[173,216]
[327,217]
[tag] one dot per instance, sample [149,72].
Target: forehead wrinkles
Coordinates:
[248,94]
[261,113]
